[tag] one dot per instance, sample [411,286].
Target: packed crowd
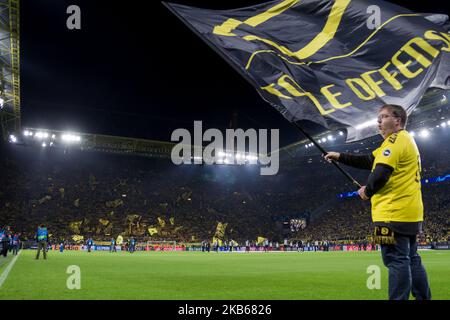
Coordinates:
[80,195]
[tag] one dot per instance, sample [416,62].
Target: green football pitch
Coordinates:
[203,276]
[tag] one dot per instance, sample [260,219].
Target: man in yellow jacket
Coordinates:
[394,190]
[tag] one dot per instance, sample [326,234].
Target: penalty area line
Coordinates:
[8,269]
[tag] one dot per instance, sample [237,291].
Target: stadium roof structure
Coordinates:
[433,108]
[124,145]
[95,142]
[9,66]
[10,106]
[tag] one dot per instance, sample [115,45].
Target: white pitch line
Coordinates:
[8,269]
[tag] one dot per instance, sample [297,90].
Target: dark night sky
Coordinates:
[136,70]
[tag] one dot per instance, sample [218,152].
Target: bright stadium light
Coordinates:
[341,133]
[2,102]
[221,154]
[424,133]
[412,133]
[70,138]
[240,156]
[53,136]
[443,124]
[12,138]
[44,145]
[251,158]
[367,124]
[41,135]
[330,138]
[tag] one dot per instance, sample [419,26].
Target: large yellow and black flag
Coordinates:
[334,62]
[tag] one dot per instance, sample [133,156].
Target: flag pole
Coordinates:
[342,170]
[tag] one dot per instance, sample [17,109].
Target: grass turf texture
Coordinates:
[203,276]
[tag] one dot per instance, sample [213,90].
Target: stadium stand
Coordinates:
[91,194]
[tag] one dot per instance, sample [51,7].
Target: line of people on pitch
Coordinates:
[9,241]
[249,246]
[267,245]
[130,246]
[220,246]
[299,246]
[90,246]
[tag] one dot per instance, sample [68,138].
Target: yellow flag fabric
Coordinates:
[77,238]
[75,226]
[119,240]
[260,240]
[152,231]
[220,230]
[219,241]
[103,222]
[172,220]
[161,222]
